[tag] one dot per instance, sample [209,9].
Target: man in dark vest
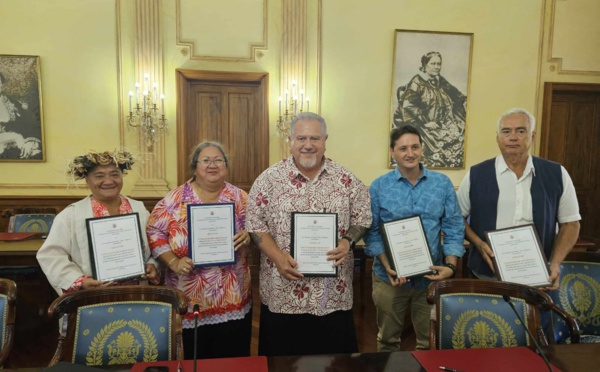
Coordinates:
[515,189]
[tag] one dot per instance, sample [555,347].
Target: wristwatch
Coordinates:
[349,239]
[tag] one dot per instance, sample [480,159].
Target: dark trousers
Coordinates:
[306,334]
[223,340]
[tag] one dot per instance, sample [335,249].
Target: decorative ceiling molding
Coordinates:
[559,60]
[149,60]
[120,92]
[293,45]
[319,57]
[540,60]
[252,48]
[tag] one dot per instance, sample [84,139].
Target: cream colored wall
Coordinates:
[213,48]
[571,39]
[78,45]
[357,70]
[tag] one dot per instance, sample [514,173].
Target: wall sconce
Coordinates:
[291,107]
[145,114]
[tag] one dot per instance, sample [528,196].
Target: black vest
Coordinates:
[546,190]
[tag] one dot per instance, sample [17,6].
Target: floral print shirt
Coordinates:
[281,190]
[222,292]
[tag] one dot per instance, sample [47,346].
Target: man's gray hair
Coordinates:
[517,110]
[202,146]
[308,116]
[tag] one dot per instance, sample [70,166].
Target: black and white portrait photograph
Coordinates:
[430,83]
[21,127]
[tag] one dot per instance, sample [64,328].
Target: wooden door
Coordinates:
[229,108]
[571,136]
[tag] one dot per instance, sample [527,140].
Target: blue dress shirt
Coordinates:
[433,198]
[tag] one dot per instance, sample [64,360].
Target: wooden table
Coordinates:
[20,253]
[569,358]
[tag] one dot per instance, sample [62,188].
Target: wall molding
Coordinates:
[252,48]
[558,61]
[37,186]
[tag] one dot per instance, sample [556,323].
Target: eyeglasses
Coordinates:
[217,162]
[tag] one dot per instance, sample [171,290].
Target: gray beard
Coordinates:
[308,163]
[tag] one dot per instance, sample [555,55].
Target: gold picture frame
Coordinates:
[435,103]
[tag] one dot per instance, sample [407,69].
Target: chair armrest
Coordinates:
[59,351]
[433,334]
[571,323]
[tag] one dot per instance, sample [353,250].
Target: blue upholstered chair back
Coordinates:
[472,320]
[8,299]
[123,333]
[3,318]
[37,222]
[579,296]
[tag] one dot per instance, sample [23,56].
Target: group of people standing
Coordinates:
[313,315]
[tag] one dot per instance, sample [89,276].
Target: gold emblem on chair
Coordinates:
[35,225]
[125,348]
[481,335]
[580,288]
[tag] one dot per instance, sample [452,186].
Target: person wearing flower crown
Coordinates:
[64,257]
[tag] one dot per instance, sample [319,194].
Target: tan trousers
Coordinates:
[391,304]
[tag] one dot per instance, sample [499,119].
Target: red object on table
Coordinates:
[17,236]
[247,364]
[499,359]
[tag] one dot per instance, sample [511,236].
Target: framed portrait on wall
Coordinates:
[430,85]
[21,119]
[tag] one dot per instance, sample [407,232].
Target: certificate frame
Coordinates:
[387,229]
[195,252]
[296,246]
[495,239]
[95,227]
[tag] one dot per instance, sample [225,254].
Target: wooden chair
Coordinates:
[8,299]
[579,296]
[120,325]
[471,313]
[34,222]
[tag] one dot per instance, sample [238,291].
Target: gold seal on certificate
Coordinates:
[211,228]
[406,246]
[313,235]
[116,247]
[518,256]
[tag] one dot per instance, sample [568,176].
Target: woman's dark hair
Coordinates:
[427,57]
[202,146]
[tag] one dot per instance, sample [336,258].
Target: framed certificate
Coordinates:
[406,246]
[116,247]
[518,256]
[211,228]
[313,235]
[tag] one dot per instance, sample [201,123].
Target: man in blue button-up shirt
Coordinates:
[411,190]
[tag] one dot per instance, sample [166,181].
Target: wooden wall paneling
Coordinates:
[570,136]
[228,107]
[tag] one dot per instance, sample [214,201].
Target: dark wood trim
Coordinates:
[10,205]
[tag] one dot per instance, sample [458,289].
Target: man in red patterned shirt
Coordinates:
[302,315]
